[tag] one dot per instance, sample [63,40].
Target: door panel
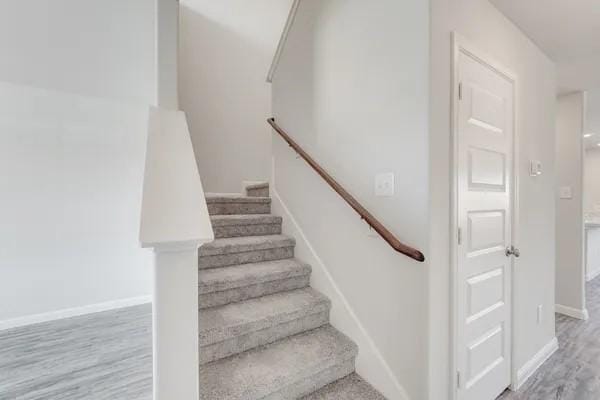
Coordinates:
[487,110]
[486,231]
[487,170]
[484,162]
[485,354]
[485,291]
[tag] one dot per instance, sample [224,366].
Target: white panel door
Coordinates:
[484,161]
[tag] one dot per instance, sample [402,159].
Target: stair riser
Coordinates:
[317,380]
[224,260]
[246,230]
[286,369]
[260,192]
[262,337]
[238,208]
[252,291]
[352,387]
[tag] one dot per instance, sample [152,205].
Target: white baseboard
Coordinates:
[374,367]
[572,312]
[527,370]
[73,312]
[593,274]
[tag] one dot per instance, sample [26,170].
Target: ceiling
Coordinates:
[568,31]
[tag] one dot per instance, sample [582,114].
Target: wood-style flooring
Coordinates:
[108,356]
[573,372]
[103,356]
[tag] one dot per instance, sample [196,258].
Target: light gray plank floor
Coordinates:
[573,372]
[108,356]
[103,356]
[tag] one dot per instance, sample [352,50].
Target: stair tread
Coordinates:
[244,219]
[245,243]
[352,387]
[236,319]
[234,198]
[235,276]
[265,370]
[263,185]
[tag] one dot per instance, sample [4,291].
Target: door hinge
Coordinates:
[459,236]
[460,91]
[458,379]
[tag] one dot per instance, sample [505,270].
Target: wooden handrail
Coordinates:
[352,202]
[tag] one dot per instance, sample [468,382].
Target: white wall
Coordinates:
[489,30]
[226,48]
[570,281]
[591,186]
[593,113]
[75,84]
[352,89]
[101,48]
[591,183]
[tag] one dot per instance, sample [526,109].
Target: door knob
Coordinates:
[512,251]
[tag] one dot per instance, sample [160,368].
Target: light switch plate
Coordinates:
[535,168]
[384,184]
[565,192]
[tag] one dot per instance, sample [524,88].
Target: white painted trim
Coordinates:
[529,368]
[283,40]
[460,43]
[572,312]
[583,245]
[376,370]
[73,312]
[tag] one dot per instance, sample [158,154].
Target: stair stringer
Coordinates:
[370,364]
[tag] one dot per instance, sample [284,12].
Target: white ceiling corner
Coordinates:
[568,31]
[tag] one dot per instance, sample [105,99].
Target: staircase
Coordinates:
[264,333]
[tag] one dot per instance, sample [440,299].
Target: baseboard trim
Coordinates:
[378,373]
[73,312]
[527,370]
[593,275]
[572,312]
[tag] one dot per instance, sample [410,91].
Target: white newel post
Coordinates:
[175,322]
[174,223]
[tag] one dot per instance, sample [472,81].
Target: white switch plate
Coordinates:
[565,192]
[539,313]
[535,168]
[384,184]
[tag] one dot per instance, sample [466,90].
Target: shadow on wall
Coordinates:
[224,60]
[300,61]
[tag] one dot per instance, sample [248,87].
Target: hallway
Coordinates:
[573,372]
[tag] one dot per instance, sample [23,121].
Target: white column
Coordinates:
[175,322]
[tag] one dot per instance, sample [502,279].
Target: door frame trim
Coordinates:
[461,44]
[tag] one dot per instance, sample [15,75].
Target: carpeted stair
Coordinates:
[264,333]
